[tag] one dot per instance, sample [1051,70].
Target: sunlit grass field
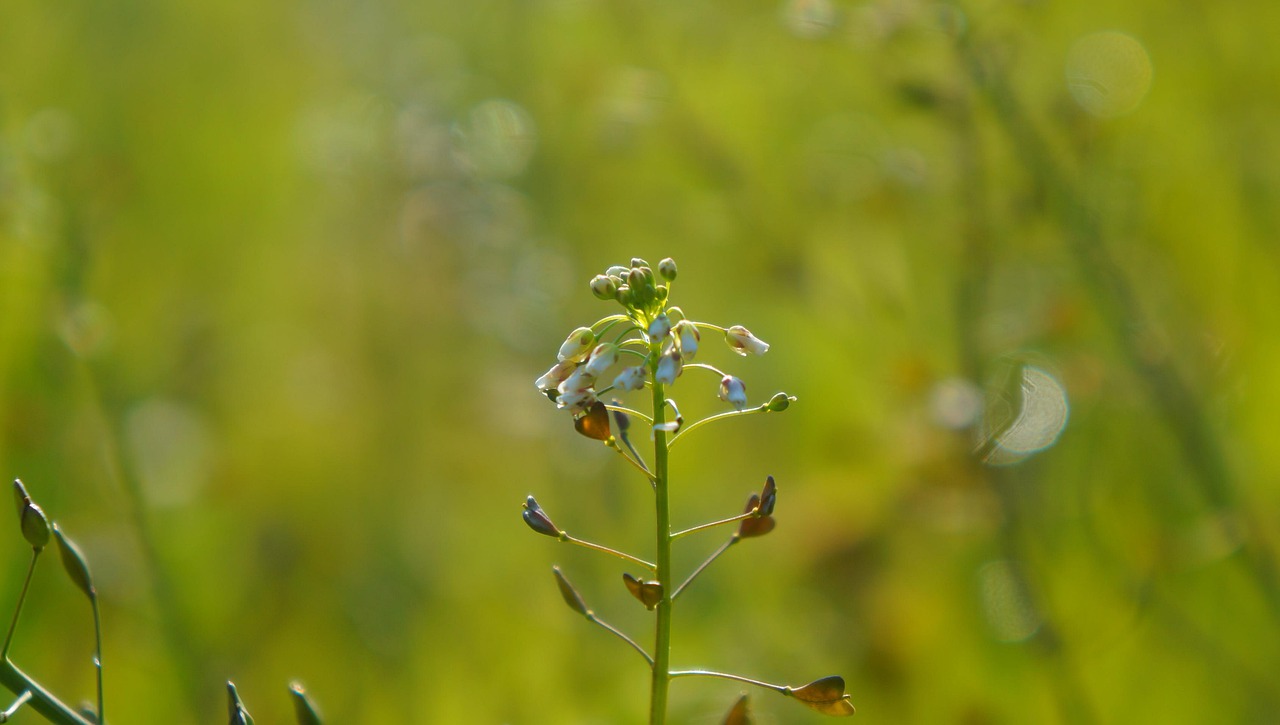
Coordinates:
[276,280]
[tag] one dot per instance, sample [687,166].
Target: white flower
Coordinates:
[602,358]
[577,382]
[659,328]
[733,391]
[743,342]
[577,345]
[669,368]
[630,378]
[689,337]
[552,378]
[577,401]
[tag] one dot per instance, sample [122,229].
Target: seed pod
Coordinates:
[73,561]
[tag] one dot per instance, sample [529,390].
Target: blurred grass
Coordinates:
[275,281]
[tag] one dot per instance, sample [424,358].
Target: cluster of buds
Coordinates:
[654,345]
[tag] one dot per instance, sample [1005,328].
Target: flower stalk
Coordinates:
[665,340]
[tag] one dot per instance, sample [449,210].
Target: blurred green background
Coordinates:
[276,279]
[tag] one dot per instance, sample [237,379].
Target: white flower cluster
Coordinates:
[659,339]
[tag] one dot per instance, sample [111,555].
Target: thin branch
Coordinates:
[606,550]
[17,704]
[22,597]
[727,676]
[704,366]
[591,616]
[732,519]
[718,416]
[628,411]
[714,555]
[633,461]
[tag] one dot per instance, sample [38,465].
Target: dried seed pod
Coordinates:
[649,593]
[826,696]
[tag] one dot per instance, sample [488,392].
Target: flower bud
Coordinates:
[640,279]
[630,378]
[602,358]
[538,520]
[604,287]
[733,391]
[743,342]
[623,295]
[558,373]
[660,327]
[667,268]
[617,270]
[638,262]
[669,368]
[579,381]
[577,345]
[689,337]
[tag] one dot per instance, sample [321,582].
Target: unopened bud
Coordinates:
[660,327]
[669,368]
[604,287]
[631,378]
[576,346]
[688,334]
[743,342]
[602,358]
[733,391]
[667,268]
[623,295]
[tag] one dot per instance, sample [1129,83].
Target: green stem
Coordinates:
[727,676]
[22,597]
[732,519]
[97,654]
[591,616]
[17,705]
[41,700]
[662,639]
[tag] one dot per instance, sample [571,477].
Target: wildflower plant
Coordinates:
[649,345]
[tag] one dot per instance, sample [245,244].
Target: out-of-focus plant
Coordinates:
[650,345]
[38,530]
